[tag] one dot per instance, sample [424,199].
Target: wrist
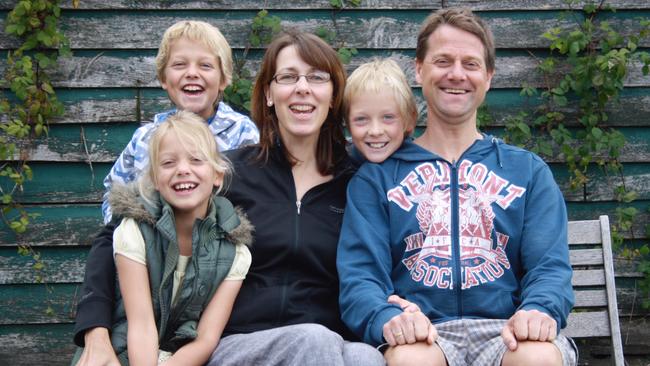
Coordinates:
[96,334]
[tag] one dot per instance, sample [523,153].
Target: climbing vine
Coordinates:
[332,35]
[27,106]
[593,60]
[263,28]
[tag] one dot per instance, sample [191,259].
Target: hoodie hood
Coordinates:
[412,152]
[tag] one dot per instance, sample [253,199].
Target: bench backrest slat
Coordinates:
[595,311]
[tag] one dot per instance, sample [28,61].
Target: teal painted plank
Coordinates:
[36,344]
[601,185]
[63,225]
[359,28]
[83,183]
[30,304]
[83,143]
[60,265]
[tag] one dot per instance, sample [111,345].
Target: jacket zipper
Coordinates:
[455,238]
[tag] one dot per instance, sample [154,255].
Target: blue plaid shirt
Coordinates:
[230,129]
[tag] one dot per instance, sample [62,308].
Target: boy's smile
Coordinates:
[376,126]
[193,77]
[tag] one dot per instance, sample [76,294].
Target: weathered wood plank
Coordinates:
[102,143]
[71,225]
[359,28]
[60,225]
[49,344]
[591,277]
[633,110]
[67,266]
[590,324]
[325,4]
[60,266]
[588,211]
[584,232]
[586,257]
[590,298]
[107,70]
[34,301]
[87,185]
[243,4]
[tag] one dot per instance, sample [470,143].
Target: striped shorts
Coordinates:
[478,342]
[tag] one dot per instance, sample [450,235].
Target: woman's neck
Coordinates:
[305,171]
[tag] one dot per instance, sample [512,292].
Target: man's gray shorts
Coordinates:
[478,342]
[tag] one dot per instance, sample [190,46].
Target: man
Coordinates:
[470,229]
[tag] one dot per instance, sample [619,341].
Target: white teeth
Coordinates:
[184,186]
[192,88]
[301,108]
[455,91]
[377,145]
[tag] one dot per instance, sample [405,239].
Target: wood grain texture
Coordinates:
[359,28]
[325,4]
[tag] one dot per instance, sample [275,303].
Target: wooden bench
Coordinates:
[595,313]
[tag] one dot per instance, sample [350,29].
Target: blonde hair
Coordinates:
[194,135]
[198,31]
[383,75]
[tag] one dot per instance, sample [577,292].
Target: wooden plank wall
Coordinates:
[109,87]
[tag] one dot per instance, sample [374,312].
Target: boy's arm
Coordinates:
[142,335]
[364,262]
[124,169]
[249,134]
[95,308]
[213,321]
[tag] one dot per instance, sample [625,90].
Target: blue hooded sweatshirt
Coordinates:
[479,238]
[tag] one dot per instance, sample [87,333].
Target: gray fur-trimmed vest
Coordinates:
[213,251]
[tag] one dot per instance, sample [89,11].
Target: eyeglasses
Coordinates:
[317,77]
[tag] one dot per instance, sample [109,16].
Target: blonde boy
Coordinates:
[194,66]
[380,108]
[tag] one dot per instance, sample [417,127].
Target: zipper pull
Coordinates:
[298,203]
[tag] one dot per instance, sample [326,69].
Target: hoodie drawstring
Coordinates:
[495,142]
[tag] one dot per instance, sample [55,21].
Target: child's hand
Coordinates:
[406,305]
[98,350]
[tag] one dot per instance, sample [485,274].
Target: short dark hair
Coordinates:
[461,18]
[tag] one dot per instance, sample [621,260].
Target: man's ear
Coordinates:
[489,79]
[418,69]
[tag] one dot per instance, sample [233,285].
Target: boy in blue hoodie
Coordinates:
[470,229]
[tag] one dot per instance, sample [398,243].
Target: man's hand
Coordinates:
[528,325]
[98,350]
[409,327]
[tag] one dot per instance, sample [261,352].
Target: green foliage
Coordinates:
[332,36]
[32,104]
[35,23]
[263,28]
[592,60]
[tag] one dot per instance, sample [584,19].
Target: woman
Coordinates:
[292,187]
